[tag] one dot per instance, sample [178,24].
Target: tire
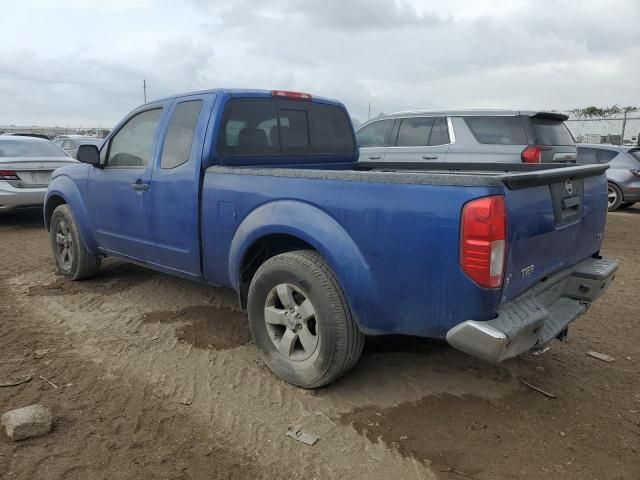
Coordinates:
[614,197]
[300,320]
[73,260]
[627,205]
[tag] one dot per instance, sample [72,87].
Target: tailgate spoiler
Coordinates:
[517,181]
[514,176]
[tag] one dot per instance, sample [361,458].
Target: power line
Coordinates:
[70,82]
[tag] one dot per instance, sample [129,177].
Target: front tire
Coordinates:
[73,260]
[614,197]
[300,320]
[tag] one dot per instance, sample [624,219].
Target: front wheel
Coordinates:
[300,320]
[614,197]
[73,260]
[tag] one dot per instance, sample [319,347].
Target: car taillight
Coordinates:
[635,172]
[533,154]
[483,234]
[292,95]
[8,175]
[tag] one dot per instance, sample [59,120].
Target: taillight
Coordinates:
[483,240]
[292,95]
[635,172]
[533,154]
[8,175]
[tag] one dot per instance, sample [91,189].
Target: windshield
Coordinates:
[551,132]
[29,148]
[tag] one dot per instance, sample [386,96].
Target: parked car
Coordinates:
[71,143]
[26,164]
[261,192]
[28,134]
[623,174]
[467,136]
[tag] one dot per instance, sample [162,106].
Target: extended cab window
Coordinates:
[132,145]
[375,134]
[179,138]
[497,130]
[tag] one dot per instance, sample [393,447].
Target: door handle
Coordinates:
[429,157]
[374,157]
[140,187]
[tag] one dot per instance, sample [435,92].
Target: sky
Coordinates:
[83,62]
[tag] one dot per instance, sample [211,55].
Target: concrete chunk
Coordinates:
[27,422]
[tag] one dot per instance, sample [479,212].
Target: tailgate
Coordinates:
[555,219]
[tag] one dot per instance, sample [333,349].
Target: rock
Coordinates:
[27,422]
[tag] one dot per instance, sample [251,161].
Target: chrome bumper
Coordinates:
[537,316]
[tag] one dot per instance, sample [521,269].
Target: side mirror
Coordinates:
[89,154]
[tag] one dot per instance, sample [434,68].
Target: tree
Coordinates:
[603,112]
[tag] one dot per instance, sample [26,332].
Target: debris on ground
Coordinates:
[601,356]
[300,435]
[9,383]
[38,354]
[27,422]
[55,387]
[539,390]
[540,351]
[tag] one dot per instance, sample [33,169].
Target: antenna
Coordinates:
[144,89]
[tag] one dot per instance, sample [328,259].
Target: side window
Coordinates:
[414,132]
[497,130]
[132,145]
[249,127]
[605,156]
[439,132]
[375,134]
[179,138]
[586,156]
[330,130]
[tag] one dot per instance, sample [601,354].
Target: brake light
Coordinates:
[533,154]
[483,238]
[8,175]
[292,95]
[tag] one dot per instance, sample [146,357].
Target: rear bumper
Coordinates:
[12,197]
[537,316]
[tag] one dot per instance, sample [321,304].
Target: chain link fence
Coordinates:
[51,132]
[617,130]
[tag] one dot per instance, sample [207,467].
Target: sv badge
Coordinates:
[526,271]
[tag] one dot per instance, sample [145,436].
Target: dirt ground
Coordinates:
[155,377]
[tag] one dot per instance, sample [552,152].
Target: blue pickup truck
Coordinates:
[261,191]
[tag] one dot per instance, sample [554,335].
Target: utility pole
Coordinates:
[369,115]
[144,89]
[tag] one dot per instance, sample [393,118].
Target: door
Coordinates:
[118,194]
[373,140]
[419,139]
[175,185]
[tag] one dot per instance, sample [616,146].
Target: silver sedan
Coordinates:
[26,164]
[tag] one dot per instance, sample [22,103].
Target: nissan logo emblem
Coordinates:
[568,186]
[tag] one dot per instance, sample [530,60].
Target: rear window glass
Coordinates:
[259,127]
[551,132]
[635,154]
[605,156]
[586,156]
[375,134]
[29,148]
[497,130]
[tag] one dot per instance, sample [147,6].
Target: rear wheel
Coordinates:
[614,197]
[300,320]
[72,258]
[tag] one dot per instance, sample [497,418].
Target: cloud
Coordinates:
[398,54]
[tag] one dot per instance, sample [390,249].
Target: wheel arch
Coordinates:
[288,225]
[63,190]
